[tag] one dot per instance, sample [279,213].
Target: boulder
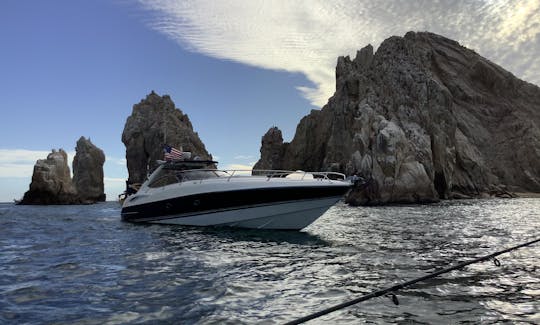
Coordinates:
[422,119]
[88,171]
[51,182]
[154,122]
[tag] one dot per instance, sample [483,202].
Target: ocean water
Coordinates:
[81,264]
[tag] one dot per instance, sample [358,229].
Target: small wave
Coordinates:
[80,264]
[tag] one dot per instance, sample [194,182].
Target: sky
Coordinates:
[72,68]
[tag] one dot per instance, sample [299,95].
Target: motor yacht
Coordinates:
[196,193]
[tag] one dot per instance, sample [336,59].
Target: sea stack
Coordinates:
[88,171]
[423,119]
[272,149]
[51,182]
[154,121]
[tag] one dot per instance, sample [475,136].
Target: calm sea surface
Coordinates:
[81,264]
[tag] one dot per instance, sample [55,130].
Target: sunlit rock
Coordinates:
[154,121]
[51,182]
[423,119]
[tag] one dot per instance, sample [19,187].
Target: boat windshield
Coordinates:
[167,176]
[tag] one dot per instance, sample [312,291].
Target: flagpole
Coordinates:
[164,127]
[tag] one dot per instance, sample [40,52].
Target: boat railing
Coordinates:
[294,174]
[199,175]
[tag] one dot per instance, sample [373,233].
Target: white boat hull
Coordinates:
[250,202]
[287,215]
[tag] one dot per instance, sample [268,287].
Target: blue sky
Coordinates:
[75,68]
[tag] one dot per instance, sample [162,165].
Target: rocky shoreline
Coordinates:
[421,119]
[527,195]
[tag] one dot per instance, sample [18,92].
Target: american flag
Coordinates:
[170,153]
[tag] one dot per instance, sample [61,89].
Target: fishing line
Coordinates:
[392,289]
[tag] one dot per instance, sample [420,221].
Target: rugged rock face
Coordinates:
[51,182]
[423,119]
[88,171]
[272,149]
[152,120]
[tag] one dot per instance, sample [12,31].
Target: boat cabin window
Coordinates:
[191,175]
[163,178]
[176,174]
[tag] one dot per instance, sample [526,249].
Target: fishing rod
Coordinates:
[392,289]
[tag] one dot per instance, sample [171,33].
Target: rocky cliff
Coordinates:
[88,171]
[422,119]
[152,120]
[51,182]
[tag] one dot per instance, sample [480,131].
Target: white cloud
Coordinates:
[20,162]
[117,161]
[307,37]
[113,187]
[243,157]
[240,169]
[17,166]
[22,155]
[114,179]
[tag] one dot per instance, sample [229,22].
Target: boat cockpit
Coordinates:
[181,171]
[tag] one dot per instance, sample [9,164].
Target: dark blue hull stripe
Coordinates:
[214,202]
[159,218]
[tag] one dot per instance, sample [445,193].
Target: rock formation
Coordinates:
[152,120]
[88,171]
[272,149]
[51,182]
[422,119]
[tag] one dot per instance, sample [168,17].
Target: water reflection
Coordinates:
[82,265]
[256,235]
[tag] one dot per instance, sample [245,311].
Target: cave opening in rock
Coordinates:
[440,184]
